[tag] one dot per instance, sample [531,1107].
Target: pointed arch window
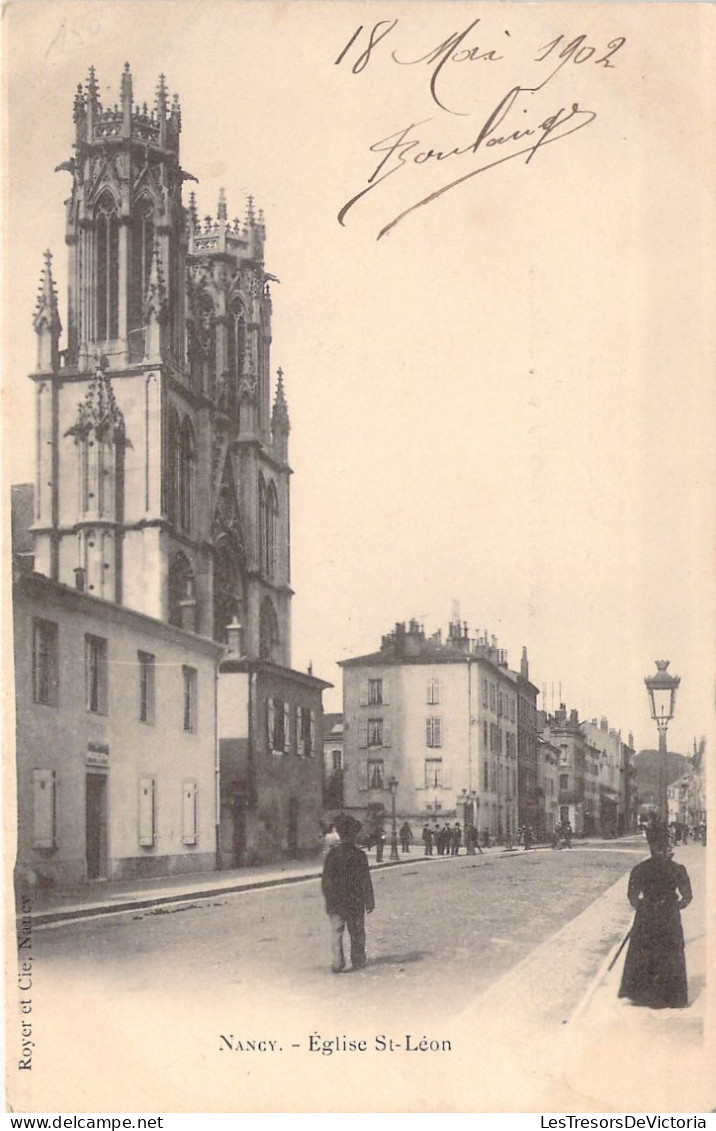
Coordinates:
[107,276]
[236,338]
[269,636]
[268,525]
[271,527]
[229,585]
[142,250]
[263,522]
[173,465]
[181,589]
[207,342]
[187,457]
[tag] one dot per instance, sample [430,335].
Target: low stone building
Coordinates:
[115,740]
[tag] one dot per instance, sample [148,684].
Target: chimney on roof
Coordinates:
[604,724]
[574,716]
[524,665]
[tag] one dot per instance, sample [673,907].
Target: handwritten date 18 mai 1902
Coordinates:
[501,137]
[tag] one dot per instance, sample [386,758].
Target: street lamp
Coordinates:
[393,787]
[662,688]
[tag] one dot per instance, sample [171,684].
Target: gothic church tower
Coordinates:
[162,465]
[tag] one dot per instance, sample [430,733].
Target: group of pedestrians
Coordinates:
[446,840]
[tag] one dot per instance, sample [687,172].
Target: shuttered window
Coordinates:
[45,663]
[43,809]
[189,812]
[147,812]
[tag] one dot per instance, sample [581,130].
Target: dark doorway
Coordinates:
[238,840]
[293,826]
[96,826]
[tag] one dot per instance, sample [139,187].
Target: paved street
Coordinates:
[160,986]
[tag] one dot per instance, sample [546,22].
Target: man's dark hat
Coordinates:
[346,825]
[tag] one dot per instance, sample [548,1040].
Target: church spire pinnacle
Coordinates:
[46,319]
[162,98]
[155,308]
[279,415]
[126,85]
[222,211]
[99,411]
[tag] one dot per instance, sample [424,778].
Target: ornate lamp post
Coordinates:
[662,688]
[393,787]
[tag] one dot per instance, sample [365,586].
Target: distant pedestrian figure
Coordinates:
[348,892]
[486,839]
[455,839]
[472,840]
[567,834]
[655,967]
[379,845]
[406,836]
[428,840]
[528,837]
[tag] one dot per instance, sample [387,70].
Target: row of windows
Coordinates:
[44,810]
[377,732]
[499,701]
[290,729]
[494,737]
[46,682]
[376,692]
[375,773]
[494,775]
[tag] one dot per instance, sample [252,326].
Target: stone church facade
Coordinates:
[162,475]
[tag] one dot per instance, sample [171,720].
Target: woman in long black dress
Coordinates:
[655,967]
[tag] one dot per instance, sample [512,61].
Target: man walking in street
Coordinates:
[455,839]
[406,836]
[348,892]
[428,840]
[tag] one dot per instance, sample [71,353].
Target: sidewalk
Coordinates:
[102,897]
[563,1050]
[654,1059]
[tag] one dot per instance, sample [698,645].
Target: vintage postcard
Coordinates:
[358,415]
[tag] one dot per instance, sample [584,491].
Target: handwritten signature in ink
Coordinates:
[498,140]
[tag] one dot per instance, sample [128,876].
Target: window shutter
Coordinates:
[386,732]
[287,727]
[189,822]
[312,735]
[437,732]
[386,690]
[363,693]
[447,776]
[146,812]
[299,732]
[362,735]
[43,808]
[270,723]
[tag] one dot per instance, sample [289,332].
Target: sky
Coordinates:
[504,399]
